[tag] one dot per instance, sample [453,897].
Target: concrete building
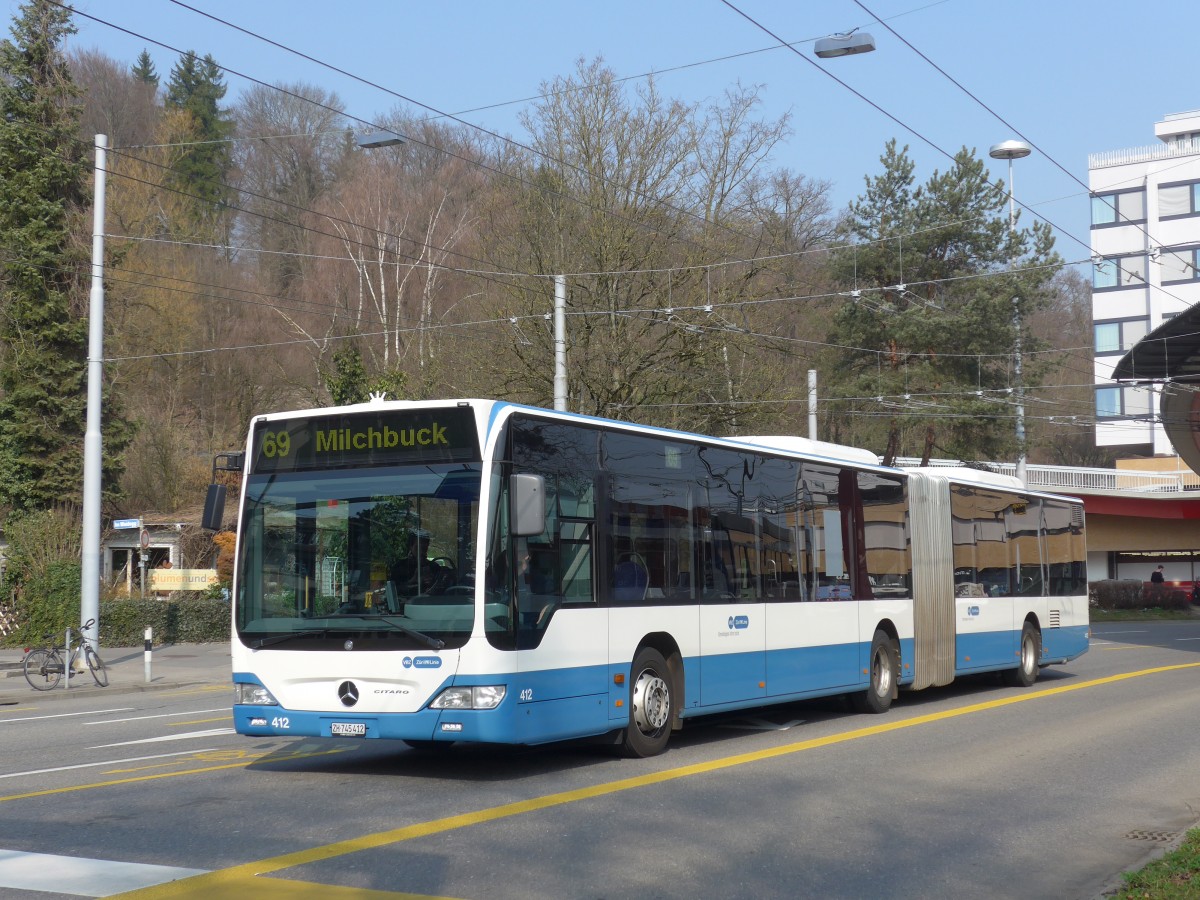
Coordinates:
[1145,239]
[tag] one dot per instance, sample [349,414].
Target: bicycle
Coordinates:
[44,666]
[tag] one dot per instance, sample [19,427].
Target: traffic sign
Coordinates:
[127,523]
[145,539]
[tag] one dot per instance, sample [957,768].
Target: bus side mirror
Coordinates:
[214,508]
[528,506]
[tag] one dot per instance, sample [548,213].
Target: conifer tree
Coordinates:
[43,187]
[143,70]
[933,274]
[196,86]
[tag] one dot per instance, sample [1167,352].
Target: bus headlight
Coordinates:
[253,695]
[487,696]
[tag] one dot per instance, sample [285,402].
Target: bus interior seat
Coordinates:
[630,579]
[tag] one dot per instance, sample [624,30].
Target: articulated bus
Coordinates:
[481,571]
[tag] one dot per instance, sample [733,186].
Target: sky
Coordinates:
[1071,77]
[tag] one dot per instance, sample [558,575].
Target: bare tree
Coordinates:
[390,253]
[116,103]
[656,210]
[293,146]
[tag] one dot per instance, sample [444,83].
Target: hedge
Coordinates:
[123,622]
[1129,594]
[194,620]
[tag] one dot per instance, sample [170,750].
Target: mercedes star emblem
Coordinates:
[347,693]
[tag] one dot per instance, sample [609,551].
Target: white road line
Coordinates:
[90,712]
[108,762]
[161,716]
[212,732]
[1187,639]
[82,877]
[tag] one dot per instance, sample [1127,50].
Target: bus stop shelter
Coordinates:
[1169,356]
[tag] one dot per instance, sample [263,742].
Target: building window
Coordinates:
[1179,264]
[1118,208]
[1115,272]
[1123,403]
[1176,200]
[1119,337]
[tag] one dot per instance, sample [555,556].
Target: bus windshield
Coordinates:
[380,556]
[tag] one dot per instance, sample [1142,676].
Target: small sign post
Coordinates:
[144,541]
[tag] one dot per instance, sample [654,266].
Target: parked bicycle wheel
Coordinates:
[96,664]
[43,669]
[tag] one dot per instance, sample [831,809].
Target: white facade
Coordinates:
[1145,239]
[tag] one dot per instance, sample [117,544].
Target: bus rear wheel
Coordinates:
[1026,672]
[883,663]
[651,705]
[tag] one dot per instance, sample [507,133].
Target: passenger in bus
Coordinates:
[416,573]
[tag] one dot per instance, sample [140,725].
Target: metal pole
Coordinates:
[89,607]
[560,342]
[812,404]
[1019,383]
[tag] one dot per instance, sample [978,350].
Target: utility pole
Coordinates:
[93,448]
[560,342]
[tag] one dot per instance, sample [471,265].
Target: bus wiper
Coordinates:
[280,638]
[429,641]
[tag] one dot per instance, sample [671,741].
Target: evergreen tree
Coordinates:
[197,87]
[143,70]
[43,186]
[932,272]
[348,383]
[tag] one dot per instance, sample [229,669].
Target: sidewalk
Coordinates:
[171,666]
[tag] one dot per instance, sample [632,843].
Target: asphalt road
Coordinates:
[974,790]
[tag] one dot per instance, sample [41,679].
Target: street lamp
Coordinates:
[1011,150]
[379,139]
[846,44]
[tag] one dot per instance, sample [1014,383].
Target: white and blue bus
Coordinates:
[482,571]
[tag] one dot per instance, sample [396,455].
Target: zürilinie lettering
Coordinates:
[342,439]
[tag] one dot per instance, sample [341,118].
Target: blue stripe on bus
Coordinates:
[539,706]
[1060,645]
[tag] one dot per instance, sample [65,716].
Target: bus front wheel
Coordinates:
[883,663]
[1026,672]
[651,705]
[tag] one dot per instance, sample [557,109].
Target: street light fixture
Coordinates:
[379,139]
[1011,150]
[846,44]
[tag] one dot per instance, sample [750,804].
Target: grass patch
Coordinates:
[1175,876]
[1133,615]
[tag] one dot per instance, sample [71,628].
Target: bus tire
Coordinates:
[651,705]
[882,667]
[1026,672]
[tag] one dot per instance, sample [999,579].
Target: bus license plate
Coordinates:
[348,729]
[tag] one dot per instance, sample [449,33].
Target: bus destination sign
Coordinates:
[372,438]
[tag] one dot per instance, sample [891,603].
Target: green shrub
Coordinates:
[123,622]
[1129,594]
[47,602]
[193,620]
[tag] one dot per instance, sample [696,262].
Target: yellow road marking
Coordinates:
[225,688]
[228,718]
[239,880]
[237,765]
